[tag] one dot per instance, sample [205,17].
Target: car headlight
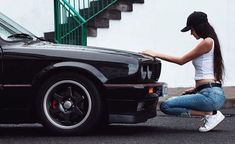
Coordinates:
[149,72]
[165,89]
[143,72]
[146,72]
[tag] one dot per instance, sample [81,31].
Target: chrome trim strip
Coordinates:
[134,85]
[16,85]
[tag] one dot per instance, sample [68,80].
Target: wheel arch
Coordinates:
[85,70]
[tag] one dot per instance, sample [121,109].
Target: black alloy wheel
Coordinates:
[69,104]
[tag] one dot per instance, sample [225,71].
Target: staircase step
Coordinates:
[92,32]
[49,36]
[99,23]
[122,6]
[111,14]
[95,6]
[88,12]
[133,1]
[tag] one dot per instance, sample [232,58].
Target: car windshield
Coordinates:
[11,31]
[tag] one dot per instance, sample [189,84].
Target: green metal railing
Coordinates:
[71,17]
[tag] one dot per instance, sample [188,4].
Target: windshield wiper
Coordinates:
[21,35]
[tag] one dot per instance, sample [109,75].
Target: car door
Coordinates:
[1,74]
[16,85]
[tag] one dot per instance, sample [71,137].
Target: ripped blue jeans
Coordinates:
[207,100]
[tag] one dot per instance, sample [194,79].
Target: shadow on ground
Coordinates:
[111,130]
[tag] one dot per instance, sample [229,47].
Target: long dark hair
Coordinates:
[206,30]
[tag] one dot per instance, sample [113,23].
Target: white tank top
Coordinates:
[204,65]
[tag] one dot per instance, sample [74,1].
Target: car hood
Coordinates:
[77,52]
[89,49]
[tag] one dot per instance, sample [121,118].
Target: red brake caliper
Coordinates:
[54,104]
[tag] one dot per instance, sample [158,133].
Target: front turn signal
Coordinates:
[151,90]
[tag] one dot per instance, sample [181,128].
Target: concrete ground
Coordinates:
[229,95]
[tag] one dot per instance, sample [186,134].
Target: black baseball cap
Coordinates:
[195,19]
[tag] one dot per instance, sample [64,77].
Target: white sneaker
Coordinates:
[211,121]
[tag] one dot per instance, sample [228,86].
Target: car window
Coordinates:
[11,31]
[4,34]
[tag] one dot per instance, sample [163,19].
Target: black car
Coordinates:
[73,89]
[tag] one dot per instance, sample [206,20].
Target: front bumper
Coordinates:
[133,103]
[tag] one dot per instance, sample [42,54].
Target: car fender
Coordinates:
[70,65]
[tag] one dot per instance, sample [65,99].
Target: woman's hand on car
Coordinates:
[149,52]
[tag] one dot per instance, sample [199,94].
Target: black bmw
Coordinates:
[72,89]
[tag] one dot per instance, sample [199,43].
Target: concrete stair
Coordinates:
[102,20]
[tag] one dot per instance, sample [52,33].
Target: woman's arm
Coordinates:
[203,47]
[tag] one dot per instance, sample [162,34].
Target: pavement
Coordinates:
[229,95]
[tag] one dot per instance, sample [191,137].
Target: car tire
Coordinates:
[69,104]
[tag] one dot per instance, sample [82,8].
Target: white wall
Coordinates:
[156,24]
[35,15]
